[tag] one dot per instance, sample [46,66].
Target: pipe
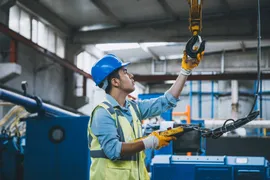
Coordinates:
[15,123]
[212,99]
[190,96]
[256,104]
[261,112]
[200,98]
[222,62]
[31,104]
[6,104]
[13,111]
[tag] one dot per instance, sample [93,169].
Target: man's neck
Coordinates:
[119,97]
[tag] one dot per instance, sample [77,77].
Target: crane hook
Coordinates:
[191,42]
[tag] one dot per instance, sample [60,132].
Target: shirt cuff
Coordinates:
[118,151]
[171,99]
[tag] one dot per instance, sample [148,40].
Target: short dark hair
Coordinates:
[114,74]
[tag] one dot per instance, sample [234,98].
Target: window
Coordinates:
[34,30]
[14,18]
[28,26]
[51,40]
[42,35]
[60,47]
[84,61]
[25,25]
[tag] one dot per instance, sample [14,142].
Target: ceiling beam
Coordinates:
[166,7]
[235,26]
[105,10]
[149,51]
[6,4]
[232,76]
[47,15]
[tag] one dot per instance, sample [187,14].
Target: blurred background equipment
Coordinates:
[41,140]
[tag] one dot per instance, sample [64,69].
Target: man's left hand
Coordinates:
[189,64]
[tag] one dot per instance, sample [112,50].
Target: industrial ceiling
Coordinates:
[227,24]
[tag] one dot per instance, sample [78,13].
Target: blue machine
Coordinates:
[174,167]
[56,145]
[56,148]
[11,158]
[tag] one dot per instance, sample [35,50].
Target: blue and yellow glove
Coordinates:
[189,64]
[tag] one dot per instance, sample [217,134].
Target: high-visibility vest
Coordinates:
[126,168]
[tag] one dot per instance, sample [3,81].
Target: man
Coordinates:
[116,123]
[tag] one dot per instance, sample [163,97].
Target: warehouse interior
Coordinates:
[47,92]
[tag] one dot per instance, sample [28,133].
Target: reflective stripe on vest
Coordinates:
[100,153]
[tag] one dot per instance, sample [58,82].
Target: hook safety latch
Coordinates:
[191,52]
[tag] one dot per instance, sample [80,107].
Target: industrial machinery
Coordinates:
[55,145]
[172,167]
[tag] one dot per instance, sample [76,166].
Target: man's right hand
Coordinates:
[156,141]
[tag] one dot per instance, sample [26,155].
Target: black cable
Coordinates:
[258,56]
[216,133]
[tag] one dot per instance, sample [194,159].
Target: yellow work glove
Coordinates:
[156,141]
[189,64]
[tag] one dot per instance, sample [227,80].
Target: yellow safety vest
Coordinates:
[126,168]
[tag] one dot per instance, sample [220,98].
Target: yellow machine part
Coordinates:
[170,132]
[195,16]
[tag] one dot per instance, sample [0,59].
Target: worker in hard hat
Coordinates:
[116,122]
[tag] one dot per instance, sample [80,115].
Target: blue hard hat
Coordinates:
[105,66]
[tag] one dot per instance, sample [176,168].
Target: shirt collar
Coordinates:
[114,103]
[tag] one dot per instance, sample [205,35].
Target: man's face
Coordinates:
[126,80]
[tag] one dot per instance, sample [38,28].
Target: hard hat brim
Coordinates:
[125,64]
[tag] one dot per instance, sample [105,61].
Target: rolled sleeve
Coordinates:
[103,127]
[171,99]
[155,106]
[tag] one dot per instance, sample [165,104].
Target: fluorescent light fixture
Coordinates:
[117,46]
[162,57]
[169,82]
[153,44]
[171,57]
[97,27]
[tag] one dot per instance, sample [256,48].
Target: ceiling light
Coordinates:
[169,82]
[153,44]
[97,27]
[171,57]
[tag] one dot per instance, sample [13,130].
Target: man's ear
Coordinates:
[115,82]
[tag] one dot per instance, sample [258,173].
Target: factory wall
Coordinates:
[45,78]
